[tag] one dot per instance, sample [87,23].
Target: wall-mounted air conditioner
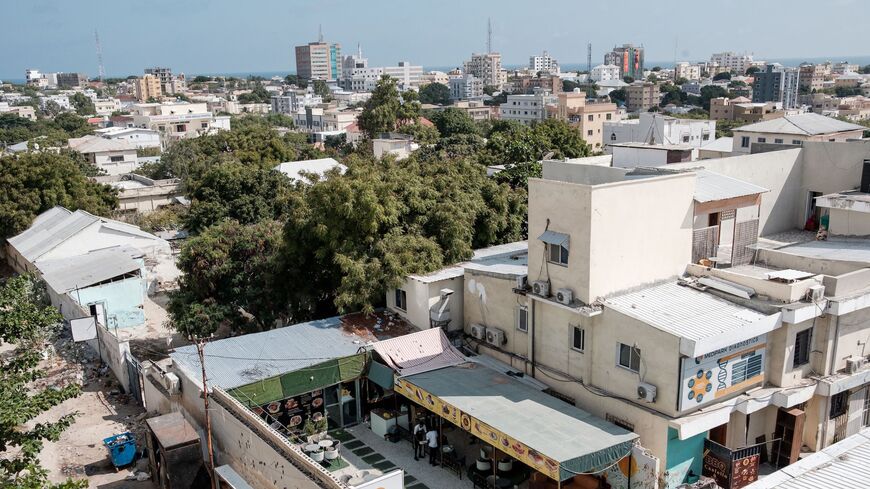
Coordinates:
[495,336]
[541,288]
[522,282]
[478,331]
[565,296]
[647,392]
[815,293]
[854,364]
[171,383]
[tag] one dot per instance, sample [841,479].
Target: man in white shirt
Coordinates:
[419,440]
[432,443]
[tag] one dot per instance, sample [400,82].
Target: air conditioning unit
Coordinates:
[495,336]
[854,364]
[478,331]
[815,293]
[522,282]
[565,296]
[647,392]
[171,383]
[541,288]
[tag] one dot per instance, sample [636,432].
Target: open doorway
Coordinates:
[98,310]
[813,213]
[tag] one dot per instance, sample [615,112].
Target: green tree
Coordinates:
[27,321]
[202,79]
[752,70]
[656,69]
[652,78]
[387,110]
[671,94]
[295,80]
[711,91]
[618,96]
[681,81]
[229,280]
[322,88]
[511,142]
[628,79]
[435,93]
[257,95]
[52,108]
[490,90]
[452,121]
[722,76]
[32,183]
[83,104]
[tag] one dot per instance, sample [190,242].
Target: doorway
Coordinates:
[98,310]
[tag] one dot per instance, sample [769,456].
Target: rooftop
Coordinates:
[850,200]
[509,258]
[97,144]
[836,249]
[295,169]
[703,322]
[808,124]
[64,275]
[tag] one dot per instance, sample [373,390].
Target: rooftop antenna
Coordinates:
[99,55]
[359,50]
[488,35]
[589,58]
[319,32]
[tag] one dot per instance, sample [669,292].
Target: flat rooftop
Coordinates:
[508,258]
[836,249]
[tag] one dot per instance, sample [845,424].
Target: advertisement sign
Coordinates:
[744,471]
[721,373]
[503,442]
[718,467]
[393,480]
[724,466]
[295,412]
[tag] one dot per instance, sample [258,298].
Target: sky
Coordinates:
[238,36]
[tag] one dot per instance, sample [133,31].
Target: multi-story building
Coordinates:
[487,68]
[164,77]
[475,109]
[364,79]
[526,109]
[24,111]
[653,128]
[588,117]
[629,59]
[293,100]
[605,73]
[777,84]
[736,63]
[435,77]
[33,76]
[107,106]
[687,70]
[544,62]
[319,61]
[147,88]
[466,87]
[742,109]
[640,96]
[812,77]
[62,101]
[177,120]
[71,80]
[351,63]
[844,67]
[525,82]
[794,130]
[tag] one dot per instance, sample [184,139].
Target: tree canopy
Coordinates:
[35,182]
[387,109]
[435,93]
[452,121]
[50,132]
[83,104]
[27,320]
[257,95]
[725,75]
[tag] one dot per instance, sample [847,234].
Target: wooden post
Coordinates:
[200,348]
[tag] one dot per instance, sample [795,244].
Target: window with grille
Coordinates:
[802,348]
[839,404]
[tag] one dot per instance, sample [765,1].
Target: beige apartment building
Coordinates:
[318,61]
[664,301]
[588,118]
[794,130]
[148,87]
[641,96]
[487,67]
[742,109]
[178,120]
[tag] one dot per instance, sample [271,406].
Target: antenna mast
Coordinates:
[589,58]
[319,32]
[99,55]
[488,35]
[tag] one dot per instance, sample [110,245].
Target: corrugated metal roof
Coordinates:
[712,186]
[97,144]
[294,169]
[857,250]
[49,231]
[554,238]
[808,124]
[691,314]
[97,266]
[238,361]
[419,352]
[569,435]
[841,465]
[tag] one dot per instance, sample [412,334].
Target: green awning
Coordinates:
[300,381]
[381,374]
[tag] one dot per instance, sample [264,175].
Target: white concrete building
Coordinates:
[113,156]
[654,129]
[142,138]
[526,109]
[794,130]
[737,63]
[61,100]
[178,120]
[365,79]
[544,62]
[687,70]
[466,87]
[107,106]
[605,73]
[293,100]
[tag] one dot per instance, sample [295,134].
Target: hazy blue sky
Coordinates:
[200,36]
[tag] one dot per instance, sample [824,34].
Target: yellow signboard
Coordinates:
[501,441]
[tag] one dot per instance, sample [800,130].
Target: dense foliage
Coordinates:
[45,132]
[35,182]
[387,109]
[435,93]
[27,321]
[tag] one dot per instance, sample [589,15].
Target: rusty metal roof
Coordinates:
[419,352]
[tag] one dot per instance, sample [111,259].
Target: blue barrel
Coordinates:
[122,448]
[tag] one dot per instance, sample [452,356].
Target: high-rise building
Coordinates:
[487,67]
[544,62]
[148,87]
[466,87]
[163,75]
[736,63]
[319,61]
[351,63]
[777,84]
[70,80]
[628,58]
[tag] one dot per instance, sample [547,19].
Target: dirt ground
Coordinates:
[103,411]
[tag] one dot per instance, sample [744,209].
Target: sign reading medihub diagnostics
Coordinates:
[721,373]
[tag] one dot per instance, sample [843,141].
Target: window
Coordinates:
[802,347]
[796,142]
[578,338]
[762,140]
[557,253]
[629,357]
[613,136]
[116,159]
[523,319]
[180,128]
[607,116]
[204,125]
[685,139]
[705,137]
[589,117]
[777,141]
[401,300]
[589,132]
[839,404]
[744,142]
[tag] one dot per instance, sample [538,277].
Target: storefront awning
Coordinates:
[554,238]
[381,375]
[545,433]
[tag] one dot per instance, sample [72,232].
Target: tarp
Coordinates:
[300,381]
[418,352]
[545,433]
[381,374]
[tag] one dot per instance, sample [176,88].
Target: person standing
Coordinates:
[420,440]
[432,443]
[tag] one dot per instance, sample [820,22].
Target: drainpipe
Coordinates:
[832,368]
[532,325]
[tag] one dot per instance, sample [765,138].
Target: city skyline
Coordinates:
[182,36]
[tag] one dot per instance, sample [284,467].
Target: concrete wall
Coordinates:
[422,295]
[493,303]
[780,355]
[124,301]
[846,222]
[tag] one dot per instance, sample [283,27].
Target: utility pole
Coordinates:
[589,58]
[200,349]
[488,35]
